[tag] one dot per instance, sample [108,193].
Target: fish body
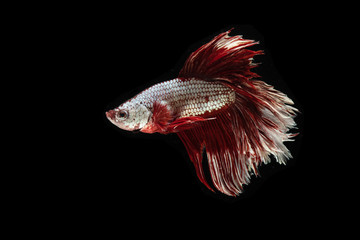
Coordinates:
[182,98]
[216,106]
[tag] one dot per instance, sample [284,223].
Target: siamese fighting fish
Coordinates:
[218,106]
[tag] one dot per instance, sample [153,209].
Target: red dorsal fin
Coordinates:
[223,58]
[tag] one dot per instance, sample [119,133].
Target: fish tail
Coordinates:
[245,134]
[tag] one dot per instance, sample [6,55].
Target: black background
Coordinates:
[151,171]
[98,174]
[113,65]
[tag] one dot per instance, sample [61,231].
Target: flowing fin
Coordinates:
[239,140]
[228,170]
[223,58]
[246,133]
[184,123]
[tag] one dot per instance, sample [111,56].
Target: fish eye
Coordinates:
[122,114]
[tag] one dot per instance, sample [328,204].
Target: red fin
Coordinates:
[160,119]
[194,144]
[223,58]
[184,123]
[241,137]
[247,132]
[223,148]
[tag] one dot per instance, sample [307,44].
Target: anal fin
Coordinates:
[227,149]
[228,167]
[194,144]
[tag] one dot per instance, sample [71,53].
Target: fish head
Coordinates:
[129,116]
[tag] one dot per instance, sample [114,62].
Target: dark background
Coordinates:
[111,65]
[94,59]
[146,170]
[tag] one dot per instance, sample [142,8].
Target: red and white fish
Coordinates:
[216,105]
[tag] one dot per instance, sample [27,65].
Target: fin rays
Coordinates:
[239,141]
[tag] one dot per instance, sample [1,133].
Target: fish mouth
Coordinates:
[110,114]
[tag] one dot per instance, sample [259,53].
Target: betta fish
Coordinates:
[216,105]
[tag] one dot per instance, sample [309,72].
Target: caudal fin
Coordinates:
[245,134]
